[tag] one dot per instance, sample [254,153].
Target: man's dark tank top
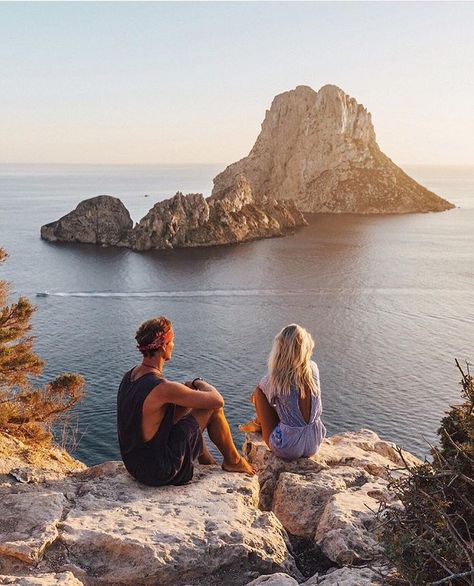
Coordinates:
[168,457]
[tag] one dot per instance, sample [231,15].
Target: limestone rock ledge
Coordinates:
[22,462]
[106,528]
[330,500]
[99,526]
[183,221]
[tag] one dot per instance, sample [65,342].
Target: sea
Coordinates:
[389,301]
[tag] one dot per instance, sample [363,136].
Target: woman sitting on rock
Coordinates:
[288,399]
[160,422]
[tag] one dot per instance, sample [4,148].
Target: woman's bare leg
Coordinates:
[266,414]
[252,426]
[219,432]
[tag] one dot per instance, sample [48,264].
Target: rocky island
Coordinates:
[309,521]
[316,152]
[179,222]
[319,149]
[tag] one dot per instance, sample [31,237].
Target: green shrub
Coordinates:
[430,539]
[25,410]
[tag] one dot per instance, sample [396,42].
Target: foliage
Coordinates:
[431,538]
[25,410]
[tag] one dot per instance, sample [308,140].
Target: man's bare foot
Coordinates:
[252,426]
[241,465]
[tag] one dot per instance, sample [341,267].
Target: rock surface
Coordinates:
[61,579]
[109,529]
[29,522]
[347,577]
[319,148]
[27,463]
[179,222]
[333,495]
[99,220]
[277,579]
[191,220]
[99,526]
[124,533]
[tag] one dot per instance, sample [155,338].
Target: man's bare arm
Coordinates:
[205,397]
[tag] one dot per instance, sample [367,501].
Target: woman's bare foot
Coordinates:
[241,465]
[252,426]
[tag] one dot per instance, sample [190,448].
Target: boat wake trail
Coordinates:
[192,293]
[249,292]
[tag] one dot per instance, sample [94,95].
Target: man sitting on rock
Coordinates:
[160,422]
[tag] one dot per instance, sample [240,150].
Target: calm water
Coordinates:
[389,300]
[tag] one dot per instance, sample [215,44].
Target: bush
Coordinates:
[430,539]
[26,411]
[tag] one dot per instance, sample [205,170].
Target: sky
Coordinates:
[189,82]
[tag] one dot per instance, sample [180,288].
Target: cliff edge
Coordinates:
[319,148]
[307,521]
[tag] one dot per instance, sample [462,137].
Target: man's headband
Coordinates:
[161,340]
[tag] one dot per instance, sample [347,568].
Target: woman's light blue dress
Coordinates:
[294,438]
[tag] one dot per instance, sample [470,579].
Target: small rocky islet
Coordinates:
[316,153]
[309,521]
[179,222]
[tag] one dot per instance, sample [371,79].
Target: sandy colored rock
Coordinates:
[299,499]
[34,463]
[124,533]
[346,531]
[277,579]
[319,148]
[328,497]
[191,220]
[363,449]
[29,521]
[61,579]
[106,528]
[346,577]
[269,467]
[98,220]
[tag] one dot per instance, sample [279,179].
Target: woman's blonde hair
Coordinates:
[289,363]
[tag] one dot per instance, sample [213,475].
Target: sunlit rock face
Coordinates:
[52,579]
[319,149]
[191,220]
[108,529]
[30,463]
[69,525]
[329,499]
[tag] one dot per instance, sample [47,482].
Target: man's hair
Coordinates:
[149,330]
